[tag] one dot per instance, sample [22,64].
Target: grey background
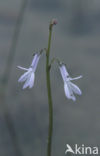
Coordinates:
[75,41]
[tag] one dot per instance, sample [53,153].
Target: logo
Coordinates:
[81,149]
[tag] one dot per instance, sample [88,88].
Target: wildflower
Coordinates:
[29,76]
[69,87]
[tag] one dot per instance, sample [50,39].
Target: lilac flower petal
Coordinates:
[64,72]
[31,81]
[26,84]
[68,92]
[22,68]
[73,98]
[35,61]
[76,77]
[23,77]
[75,89]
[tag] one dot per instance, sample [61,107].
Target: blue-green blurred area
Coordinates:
[75,41]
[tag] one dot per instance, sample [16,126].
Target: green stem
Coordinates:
[49,95]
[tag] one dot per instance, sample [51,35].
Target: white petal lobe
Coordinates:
[35,61]
[31,81]
[75,89]
[26,84]
[63,72]
[23,77]
[73,98]
[67,91]
[22,68]
[76,78]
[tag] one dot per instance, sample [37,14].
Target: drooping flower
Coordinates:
[69,87]
[29,76]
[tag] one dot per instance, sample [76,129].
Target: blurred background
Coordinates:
[75,41]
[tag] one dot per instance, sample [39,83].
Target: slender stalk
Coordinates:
[49,94]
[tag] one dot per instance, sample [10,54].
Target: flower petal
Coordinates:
[75,88]
[35,61]
[31,81]
[22,68]
[64,72]
[68,92]
[23,77]
[26,84]
[76,77]
[73,98]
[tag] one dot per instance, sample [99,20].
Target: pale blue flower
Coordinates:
[69,87]
[29,76]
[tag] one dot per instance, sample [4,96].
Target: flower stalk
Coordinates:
[50,130]
[69,87]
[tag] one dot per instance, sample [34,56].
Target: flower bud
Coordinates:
[53,21]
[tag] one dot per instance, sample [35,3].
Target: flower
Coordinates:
[69,87]
[29,76]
